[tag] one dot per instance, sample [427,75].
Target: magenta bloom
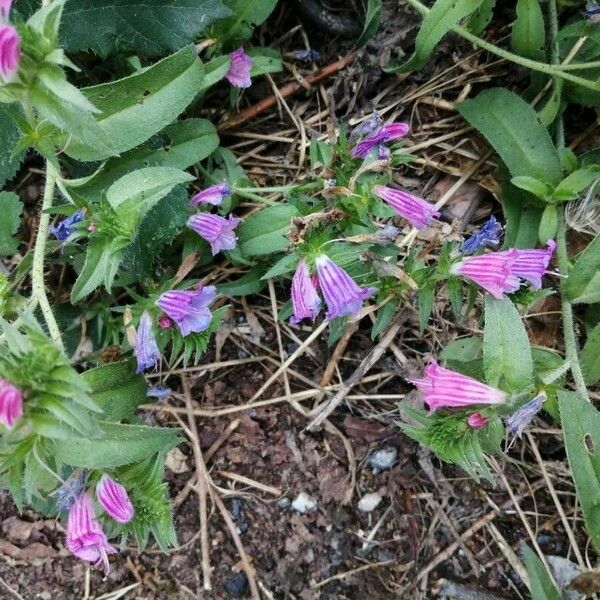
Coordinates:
[217,231]
[442,388]
[238,73]
[113,498]
[305,300]
[146,350]
[477,420]
[11,403]
[416,210]
[342,295]
[5,8]
[10,51]
[85,537]
[387,133]
[189,309]
[493,272]
[215,194]
[530,265]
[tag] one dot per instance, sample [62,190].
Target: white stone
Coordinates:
[369,502]
[304,503]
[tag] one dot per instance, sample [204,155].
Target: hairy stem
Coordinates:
[38,287]
[534,65]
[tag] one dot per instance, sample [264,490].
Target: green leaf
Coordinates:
[265,60]
[119,445]
[148,27]
[583,282]
[522,218]
[265,232]
[10,135]
[250,283]
[116,389]
[425,298]
[246,14]
[372,21]
[284,265]
[506,351]
[137,107]
[444,14]
[384,318]
[528,31]
[548,224]
[96,268]
[590,357]
[514,130]
[581,426]
[11,208]
[571,186]
[531,185]
[480,18]
[462,350]
[540,582]
[179,145]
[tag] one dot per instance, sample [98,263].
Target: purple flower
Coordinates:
[493,272]
[217,231]
[367,127]
[592,12]
[146,350]
[5,8]
[416,210]
[85,537]
[443,388]
[477,420]
[63,229]
[189,309]
[215,194]
[10,51]
[342,295]
[308,55]
[532,264]
[387,133]
[11,404]
[113,498]
[238,73]
[158,392]
[305,300]
[519,420]
[487,235]
[70,490]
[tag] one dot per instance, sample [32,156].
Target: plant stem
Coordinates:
[534,65]
[38,287]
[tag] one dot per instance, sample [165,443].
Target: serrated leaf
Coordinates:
[265,232]
[440,19]
[581,426]
[245,15]
[119,445]
[514,130]
[540,582]
[506,351]
[11,208]
[528,31]
[136,107]
[583,283]
[590,357]
[148,27]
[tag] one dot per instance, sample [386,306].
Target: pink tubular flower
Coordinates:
[189,309]
[10,51]
[85,537]
[215,194]
[477,420]
[342,295]
[113,498]
[11,403]
[493,272]
[305,300]
[238,73]
[217,231]
[532,264]
[443,388]
[416,210]
[387,133]
[5,8]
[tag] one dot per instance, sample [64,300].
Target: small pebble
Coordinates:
[236,508]
[304,503]
[237,586]
[369,502]
[283,502]
[383,459]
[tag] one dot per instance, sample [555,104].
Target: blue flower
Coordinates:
[592,12]
[308,55]
[488,235]
[62,230]
[70,490]
[146,349]
[158,392]
[519,420]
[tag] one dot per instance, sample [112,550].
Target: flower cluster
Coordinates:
[10,44]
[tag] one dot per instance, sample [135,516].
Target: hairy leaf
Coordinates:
[540,582]
[10,135]
[590,357]
[528,31]
[11,208]
[583,282]
[265,232]
[148,27]
[246,14]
